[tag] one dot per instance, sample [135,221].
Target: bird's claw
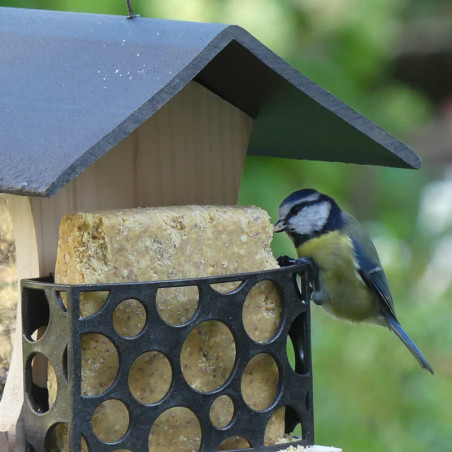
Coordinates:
[285,261]
[313,271]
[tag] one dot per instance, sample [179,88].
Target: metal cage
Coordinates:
[60,327]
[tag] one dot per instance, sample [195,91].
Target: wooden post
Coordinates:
[27,267]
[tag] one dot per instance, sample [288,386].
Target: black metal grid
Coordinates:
[42,305]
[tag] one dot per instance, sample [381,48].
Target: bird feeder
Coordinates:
[102,112]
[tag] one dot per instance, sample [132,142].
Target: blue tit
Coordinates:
[352,283]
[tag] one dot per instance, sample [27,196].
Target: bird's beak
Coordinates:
[280,226]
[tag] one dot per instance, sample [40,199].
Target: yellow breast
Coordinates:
[349,296]
[330,251]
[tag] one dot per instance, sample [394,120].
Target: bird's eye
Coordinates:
[296,209]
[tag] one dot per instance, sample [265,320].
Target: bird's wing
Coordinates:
[376,281]
[368,264]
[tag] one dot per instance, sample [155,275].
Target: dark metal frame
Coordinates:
[42,305]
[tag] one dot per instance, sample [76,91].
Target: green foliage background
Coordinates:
[370,394]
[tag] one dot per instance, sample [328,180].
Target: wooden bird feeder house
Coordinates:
[101,112]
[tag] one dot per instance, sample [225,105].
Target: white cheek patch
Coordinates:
[311,218]
[285,209]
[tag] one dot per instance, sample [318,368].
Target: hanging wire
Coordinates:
[129,7]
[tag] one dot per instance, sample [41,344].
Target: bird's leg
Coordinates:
[312,270]
[319,297]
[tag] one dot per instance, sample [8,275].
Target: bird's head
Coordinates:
[306,214]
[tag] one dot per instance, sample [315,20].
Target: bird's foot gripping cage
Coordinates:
[53,333]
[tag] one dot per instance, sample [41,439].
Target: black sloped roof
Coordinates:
[73,85]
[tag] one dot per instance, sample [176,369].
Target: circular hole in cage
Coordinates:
[91,302]
[110,420]
[226,287]
[57,439]
[36,314]
[222,411]
[262,312]
[177,305]
[260,382]
[298,285]
[297,432]
[275,428]
[129,318]
[52,385]
[208,356]
[100,363]
[234,442]
[299,337]
[177,426]
[150,377]
[290,352]
[294,425]
[39,333]
[38,375]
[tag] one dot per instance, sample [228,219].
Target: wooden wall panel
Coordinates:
[191,152]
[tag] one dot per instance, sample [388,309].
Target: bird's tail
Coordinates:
[410,345]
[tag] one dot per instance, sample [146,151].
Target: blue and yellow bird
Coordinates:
[352,283]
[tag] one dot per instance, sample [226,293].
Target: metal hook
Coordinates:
[129,7]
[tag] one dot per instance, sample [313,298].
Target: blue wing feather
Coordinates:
[369,264]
